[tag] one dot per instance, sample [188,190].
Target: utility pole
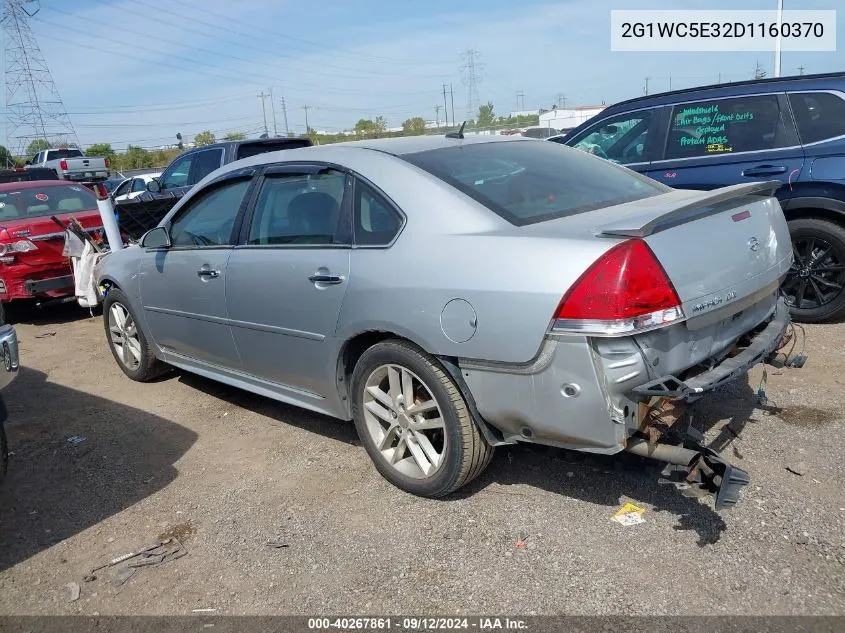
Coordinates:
[285,113]
[452,94]
[646,84]
[800,70]
[777,39]
[472,67]
[273,108]
[446,107]
[437,115]
[670,82]
[264,111]
[306,108]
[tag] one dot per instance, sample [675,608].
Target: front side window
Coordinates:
[208,219]
[819,115]
[622,139]
[177,174]
[376,223]
[531,181]
[298,209]
[725,126]
[205,163]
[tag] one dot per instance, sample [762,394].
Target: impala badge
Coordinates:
[753,244]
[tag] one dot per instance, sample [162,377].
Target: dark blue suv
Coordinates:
[790,129]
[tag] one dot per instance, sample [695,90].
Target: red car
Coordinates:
[31,262]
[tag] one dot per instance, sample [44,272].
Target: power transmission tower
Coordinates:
[561,100]
[520,95]
[285,112]
[472,67]
[34,109]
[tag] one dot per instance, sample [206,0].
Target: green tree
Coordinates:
[380,126]
[234,136]
[414,126]
[100,149]
[136,158]
[365,127]
[485,115]
[38,145]
[205,138]
[6,158]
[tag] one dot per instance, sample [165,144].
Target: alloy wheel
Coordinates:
[124,336]
[404,421]
[817,275]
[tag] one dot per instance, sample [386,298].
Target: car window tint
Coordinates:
[530,181]
[622,139]
[376,224]
[122,188]
[722,126]
[205,163]
[819,115]
[208,219]
[298,209]
[177,174]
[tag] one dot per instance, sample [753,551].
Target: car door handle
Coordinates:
[208,272]
[321,278]
[764,170]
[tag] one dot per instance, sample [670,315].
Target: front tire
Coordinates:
[815,285]
[413,421]
[127,341]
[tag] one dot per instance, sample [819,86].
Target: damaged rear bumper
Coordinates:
[761,349]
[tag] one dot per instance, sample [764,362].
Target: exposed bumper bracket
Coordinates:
[761,349]
[38,286]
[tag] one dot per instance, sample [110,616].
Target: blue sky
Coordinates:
[142,70]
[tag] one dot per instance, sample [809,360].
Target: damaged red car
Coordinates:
[32,263]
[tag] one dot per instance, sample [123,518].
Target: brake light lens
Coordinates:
[21,246]
[63,165]
[623,292]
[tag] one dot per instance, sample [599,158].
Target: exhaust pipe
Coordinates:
[705,469]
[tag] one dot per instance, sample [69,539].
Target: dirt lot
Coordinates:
[227,472]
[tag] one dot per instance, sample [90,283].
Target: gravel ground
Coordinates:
[226,472]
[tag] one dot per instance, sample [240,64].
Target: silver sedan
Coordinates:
[454,294]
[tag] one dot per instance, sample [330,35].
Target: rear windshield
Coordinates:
[56,154]
[47,201]
[532,181]
[246,150]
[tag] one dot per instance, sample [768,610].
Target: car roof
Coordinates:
[738,88]
[37,184]
[401,145]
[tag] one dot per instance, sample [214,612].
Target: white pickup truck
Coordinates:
[72,164]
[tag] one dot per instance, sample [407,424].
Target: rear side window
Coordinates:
[818,115]
[205,163]
[531,181]
[44,202]
[376,224]
[725,126]
[57,154]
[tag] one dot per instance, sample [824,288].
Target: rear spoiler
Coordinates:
[701,206]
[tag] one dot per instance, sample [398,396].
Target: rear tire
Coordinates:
[413,421]
[128,343]
[811,285]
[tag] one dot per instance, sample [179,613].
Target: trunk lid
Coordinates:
[48,237]
[717,247]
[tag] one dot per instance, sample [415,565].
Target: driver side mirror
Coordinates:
[154,186]
[156,238]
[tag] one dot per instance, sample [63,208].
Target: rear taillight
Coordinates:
[20,246]
[625,291]
[63,165]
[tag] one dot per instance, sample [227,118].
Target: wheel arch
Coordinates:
[814,207]
[354,347]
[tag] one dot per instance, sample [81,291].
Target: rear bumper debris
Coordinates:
[761,349]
